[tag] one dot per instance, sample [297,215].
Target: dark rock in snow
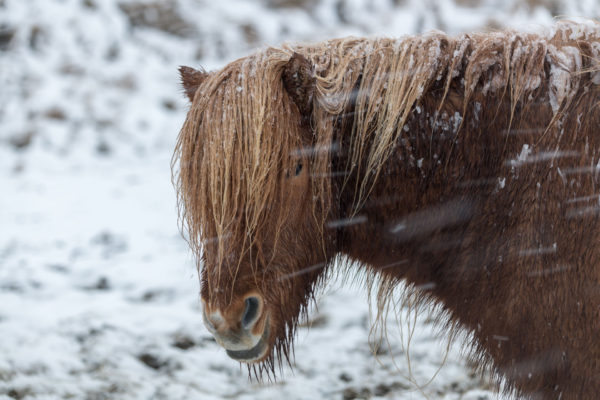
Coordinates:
[22,141]
[183,342]
[162,16]
[152,361]
[345,377]
[6,36]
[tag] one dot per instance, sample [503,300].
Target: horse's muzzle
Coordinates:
[255,353]
[241,329]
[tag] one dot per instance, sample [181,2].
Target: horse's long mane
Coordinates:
[386,79]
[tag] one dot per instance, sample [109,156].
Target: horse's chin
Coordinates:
[256,353]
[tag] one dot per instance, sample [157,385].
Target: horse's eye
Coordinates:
[298,168]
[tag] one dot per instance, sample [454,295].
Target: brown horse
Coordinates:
[466,166]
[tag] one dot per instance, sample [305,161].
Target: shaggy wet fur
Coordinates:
[466,166]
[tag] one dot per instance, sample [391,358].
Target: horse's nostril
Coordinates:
[251,312]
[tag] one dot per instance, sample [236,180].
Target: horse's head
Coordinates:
[251,202]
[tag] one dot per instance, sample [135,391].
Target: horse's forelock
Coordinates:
[239,137]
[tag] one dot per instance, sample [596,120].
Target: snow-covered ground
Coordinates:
[98,291]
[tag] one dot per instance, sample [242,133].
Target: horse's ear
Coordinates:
[191,79]
[299,82]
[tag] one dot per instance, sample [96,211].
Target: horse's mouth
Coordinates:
[257,352]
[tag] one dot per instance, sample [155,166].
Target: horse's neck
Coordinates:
[479,222]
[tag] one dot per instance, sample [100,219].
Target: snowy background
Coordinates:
[98,291]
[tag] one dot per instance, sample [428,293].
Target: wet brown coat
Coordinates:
[485,199]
